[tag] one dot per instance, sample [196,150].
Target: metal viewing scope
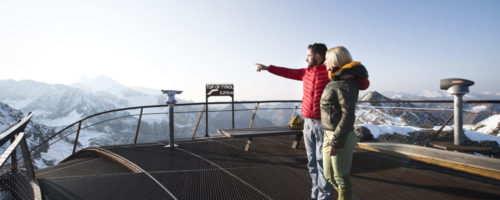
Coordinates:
[457,87]
[171,95]
[171,104]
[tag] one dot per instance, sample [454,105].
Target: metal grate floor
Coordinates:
[219,168]
[116,186]
[90,166]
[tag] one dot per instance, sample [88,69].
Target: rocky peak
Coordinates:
[8,116]
[374,96]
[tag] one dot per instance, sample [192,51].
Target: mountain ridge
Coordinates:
[56,106]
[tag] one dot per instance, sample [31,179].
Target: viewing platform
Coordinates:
[219,168]
[136,164]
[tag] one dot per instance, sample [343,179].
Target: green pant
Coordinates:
[337,169]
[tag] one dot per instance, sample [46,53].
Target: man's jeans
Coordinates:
[313,140]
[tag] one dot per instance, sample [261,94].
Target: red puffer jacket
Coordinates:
[315,80]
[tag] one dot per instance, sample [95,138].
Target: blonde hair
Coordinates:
[337,57]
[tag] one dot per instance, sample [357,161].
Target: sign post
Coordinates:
[218,90]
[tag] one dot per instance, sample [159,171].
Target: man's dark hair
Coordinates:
[318,48]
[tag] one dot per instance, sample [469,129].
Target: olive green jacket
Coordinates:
[338,107]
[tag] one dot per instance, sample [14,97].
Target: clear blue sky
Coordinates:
[406,45]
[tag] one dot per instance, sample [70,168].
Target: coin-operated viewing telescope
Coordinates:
[171,103]
[171,95]
[457,87]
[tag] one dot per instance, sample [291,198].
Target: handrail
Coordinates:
[427,109]
[159,106]
[155,106]
[15,128]
[228,102]
[125,116]
[268,101]
[428,101]
[15,134]
[10,134]
[10,149]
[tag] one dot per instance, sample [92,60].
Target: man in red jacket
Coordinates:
[315,78]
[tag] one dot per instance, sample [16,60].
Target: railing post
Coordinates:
[13,156]
[435,134]
[138,126]
[232,105]
[27,159]
[198,123]
[458,120]
[206,118]
[253,116]
[171,125]
[76,138]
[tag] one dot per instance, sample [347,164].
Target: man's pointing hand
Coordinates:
[261,67]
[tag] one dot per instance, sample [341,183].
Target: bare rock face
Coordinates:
[490,125]
[422,137]
[363,134]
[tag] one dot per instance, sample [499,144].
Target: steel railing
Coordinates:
[18,174]
[141,109]
[141,113]
[17,182]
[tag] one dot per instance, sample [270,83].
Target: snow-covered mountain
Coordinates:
[101,84]
[108,88]
[61,105]
[440,95]
[471,116]
[379,113]
[490,125]
[8,116]
[35,131]
[56,106]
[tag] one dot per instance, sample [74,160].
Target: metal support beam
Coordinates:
[13,156]
[249,142]
[76,138]
[458,120]
[171,126]
[198,123]
[206,117]
[253,116]
[232,105]
[138,126]
[27,159]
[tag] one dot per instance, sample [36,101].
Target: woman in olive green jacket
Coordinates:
[338,104]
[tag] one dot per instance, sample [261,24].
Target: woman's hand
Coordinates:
[333,151]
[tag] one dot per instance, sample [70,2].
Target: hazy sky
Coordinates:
[405,45]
